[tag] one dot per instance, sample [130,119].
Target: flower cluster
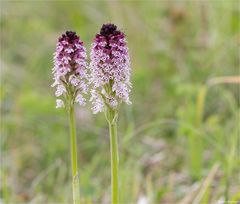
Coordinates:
[70,69]
[110,69]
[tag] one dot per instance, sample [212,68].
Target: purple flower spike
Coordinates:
[110,69]
[70,69]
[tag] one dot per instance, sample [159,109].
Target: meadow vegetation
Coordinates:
[179,140]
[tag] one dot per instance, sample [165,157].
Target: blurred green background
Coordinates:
[179,140]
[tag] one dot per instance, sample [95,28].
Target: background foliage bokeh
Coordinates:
[178,128]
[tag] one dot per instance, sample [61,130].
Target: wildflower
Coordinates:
[70,79]
[110,79]
[70,69]
[110,69]
[59,103]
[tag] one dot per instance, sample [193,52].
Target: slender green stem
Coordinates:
[75,176]
[114,155]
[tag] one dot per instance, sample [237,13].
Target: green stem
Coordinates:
[112,121]
[75,176]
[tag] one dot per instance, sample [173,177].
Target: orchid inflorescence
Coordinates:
[110,69]
[70,69]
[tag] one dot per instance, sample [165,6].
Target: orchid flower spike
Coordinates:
[70,70]
[110,69]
